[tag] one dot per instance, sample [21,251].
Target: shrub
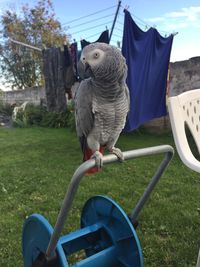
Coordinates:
[39,116]
[33,115]
[54,120]
[29,116]
[5,109]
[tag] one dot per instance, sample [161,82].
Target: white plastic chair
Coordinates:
[198,261]
[184,109]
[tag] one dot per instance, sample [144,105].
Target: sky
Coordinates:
[79,20]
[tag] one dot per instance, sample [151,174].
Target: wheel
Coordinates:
[119,231]
[35,239]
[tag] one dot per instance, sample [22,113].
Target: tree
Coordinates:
[37,26]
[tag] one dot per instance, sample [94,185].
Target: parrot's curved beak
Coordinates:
[87,67]
[88,70]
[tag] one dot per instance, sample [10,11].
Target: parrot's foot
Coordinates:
[98,156]
[118,153]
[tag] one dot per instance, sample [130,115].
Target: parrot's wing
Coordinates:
[83,109]
[127,97]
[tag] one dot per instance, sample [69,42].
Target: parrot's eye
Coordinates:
[96,55]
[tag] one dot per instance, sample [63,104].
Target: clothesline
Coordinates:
[105,39]
[83,17]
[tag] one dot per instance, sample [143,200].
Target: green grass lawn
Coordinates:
[36,165]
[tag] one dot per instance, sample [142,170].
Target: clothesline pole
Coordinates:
[26,45]
[115,18]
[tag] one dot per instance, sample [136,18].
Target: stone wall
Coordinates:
[184,76]
[158,126]
[34,95]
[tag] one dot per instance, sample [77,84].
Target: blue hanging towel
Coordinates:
[147,55]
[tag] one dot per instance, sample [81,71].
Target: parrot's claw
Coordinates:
[98,159]
[116,151]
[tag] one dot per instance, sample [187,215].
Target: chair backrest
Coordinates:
[184,109]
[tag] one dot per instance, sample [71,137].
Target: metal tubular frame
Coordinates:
[84,167]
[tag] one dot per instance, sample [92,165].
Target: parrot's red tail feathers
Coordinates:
[102,149]
[87,155]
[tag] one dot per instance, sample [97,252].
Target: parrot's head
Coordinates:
[104,62]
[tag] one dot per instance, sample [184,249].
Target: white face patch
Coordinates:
[93,57]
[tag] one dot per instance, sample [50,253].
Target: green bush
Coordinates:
[5,109]
[39,116]
[19,121]
[34,114]
[54,120]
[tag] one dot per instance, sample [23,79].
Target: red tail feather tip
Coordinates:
[87,155]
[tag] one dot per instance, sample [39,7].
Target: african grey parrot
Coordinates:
[101,101]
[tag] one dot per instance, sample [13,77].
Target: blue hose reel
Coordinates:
[106,235]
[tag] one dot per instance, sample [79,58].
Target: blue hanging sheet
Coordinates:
[147,55]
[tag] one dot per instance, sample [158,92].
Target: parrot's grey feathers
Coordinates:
[83,109]
[102,100]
